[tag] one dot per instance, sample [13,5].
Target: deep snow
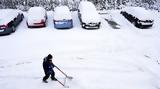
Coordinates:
[107,58]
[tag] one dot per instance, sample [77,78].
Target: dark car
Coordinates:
[88,15]
[9,20]
[138,16]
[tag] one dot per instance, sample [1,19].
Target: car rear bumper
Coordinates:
[146,26]
[63,24]
[36,25]
[91,26]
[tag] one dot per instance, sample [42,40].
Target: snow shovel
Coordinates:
[62,84]
[69,77]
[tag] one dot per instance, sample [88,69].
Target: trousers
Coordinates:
[48,74]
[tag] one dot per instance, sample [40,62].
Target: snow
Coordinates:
[107,58]
[61,13]
[7,15]
[139,12]
[35,14]
[88,12]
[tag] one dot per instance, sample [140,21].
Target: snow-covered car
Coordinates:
[37,17]
[88,15]
[9,20]
[62,17]
[139,16]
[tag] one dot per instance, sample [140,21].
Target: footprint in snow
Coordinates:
[21,63]
[80,58]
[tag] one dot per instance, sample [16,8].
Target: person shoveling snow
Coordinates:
[48,68]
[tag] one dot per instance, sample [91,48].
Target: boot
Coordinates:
[54,79]
[45,81]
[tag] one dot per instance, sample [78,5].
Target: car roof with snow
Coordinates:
[36,9]
[139,12]
[36,12]
[61,13]
[8,15]
[87,6]
[88,12]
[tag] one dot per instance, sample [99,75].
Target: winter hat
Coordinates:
[49,57]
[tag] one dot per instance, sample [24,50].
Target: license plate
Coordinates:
[92,24]
[60,22]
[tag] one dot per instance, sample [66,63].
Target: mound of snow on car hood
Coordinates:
[61,13]
[7,15]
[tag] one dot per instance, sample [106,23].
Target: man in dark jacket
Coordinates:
[48,68]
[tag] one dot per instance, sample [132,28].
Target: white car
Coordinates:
[62,17]
[88,15]
[37,17]
[9,20]
[139,16]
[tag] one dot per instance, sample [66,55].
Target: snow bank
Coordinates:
[7,15]
[61,13]
[139,12]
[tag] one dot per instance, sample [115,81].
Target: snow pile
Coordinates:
[88,12]
[61,13]
[139,12]
[7,15]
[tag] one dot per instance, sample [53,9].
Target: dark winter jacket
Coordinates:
[47,66]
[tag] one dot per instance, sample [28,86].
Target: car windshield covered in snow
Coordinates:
[36,17]
[61,13]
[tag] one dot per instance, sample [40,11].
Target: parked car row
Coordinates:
[37,17]
[62,19]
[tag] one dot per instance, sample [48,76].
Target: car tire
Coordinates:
[13,28]
[22,16]
[45,24]
[83,25]
[140,26]
[98,26]
[134,23]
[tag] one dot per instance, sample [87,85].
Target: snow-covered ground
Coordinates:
[107,58]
